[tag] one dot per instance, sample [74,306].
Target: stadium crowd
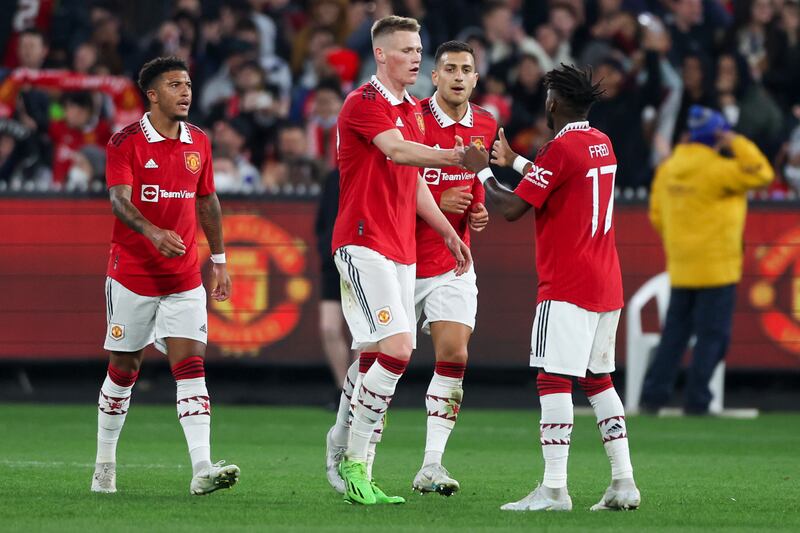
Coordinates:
[269,78]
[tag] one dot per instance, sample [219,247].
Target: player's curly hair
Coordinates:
[574,86]
[158,66]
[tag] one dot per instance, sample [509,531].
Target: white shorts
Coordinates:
[377,295]
[447,297]
[567,339]
[134,321]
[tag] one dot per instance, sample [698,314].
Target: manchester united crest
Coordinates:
[477,141]
[192,160]
[384,315]
[420,122]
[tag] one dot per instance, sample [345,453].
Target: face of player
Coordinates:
[401,53]
[173,94]
[455,77]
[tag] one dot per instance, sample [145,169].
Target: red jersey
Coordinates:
[477,127]
[165,175]
[571,185]
[378,198]
[67,141]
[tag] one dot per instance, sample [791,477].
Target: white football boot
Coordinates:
[215,477]
[621,495]
[104,478]
[333,456]
[542,499]
[435,478]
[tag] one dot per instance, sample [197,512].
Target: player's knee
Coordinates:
[595,383]
[399,346]
[452,354]
[125,362]
[547,383]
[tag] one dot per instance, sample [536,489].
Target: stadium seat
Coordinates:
[640,345]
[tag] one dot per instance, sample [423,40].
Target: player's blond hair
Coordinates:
[391,24]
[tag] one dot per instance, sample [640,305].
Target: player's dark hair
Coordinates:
[574,86]
[391,24]
[452,46]
[158,66]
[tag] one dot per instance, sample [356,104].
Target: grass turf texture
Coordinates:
[694,474]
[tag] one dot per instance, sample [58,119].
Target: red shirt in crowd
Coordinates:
[166,176]
[477,127]
[378,198]
[67,141]
[571,185]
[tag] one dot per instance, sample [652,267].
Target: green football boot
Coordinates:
[382,498]
[358,488]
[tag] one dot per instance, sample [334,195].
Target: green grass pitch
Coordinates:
[695,474]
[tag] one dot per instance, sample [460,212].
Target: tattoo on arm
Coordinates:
[124,210]
[210,214]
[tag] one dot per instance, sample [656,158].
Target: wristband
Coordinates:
[485,174]
[218,259]
[519,164]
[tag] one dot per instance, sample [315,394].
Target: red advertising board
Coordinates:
[54,254]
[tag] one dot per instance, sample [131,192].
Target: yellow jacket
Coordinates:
[698,205]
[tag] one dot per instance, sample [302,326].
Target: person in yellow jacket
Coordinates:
[698,205]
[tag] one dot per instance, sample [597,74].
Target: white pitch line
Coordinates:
[61,464]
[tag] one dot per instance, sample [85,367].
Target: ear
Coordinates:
[435,78]
[477,76]
[553,105]
[380,57]
[152,96]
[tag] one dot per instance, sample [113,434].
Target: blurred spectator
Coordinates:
[329,15]
[696,27]
[528,95]
[746,105]
[291,164]
[321,129]
[698,89]
[783,76]
[15,151]
[226,173]
[33,105]
[84,58]
[231,137]
[79,127]
[757,34]
[621,114]
[791,170]
[115,48]
[87,168]
[698,206]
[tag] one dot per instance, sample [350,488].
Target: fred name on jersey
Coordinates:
[153,191]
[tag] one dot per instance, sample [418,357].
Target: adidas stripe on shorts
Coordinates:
[134,321]
[567,339]
[377,295]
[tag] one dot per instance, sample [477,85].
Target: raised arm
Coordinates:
[209,213]
[512,207]
[403,152]
[167,242]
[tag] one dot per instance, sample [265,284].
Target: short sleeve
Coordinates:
[119,168]
[478,192]
[544,177]
[205,184]
[368,118]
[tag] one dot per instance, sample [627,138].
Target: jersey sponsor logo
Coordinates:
[150,193]
[420,122]
[538,176]
[477,141]
[192,160]
[432,175]
[117,332]
[384,316]
[151,164]
[398,123]
[598,150]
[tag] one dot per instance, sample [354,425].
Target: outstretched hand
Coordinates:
[502,154]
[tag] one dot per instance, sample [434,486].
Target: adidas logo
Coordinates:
[614,429]
[203,328]
[151,164]
[399,123]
